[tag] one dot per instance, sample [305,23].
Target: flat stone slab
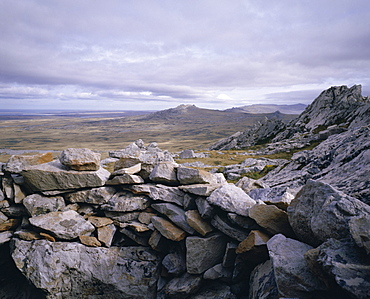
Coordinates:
[56,176]
[66,225]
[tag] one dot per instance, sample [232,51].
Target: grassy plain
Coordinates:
[172,129]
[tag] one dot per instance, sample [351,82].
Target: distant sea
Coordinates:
[8,114]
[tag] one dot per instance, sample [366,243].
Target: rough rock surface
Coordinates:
[72,270]
[292,274]
[231,199]
[204,253]
[37,204]
[17,163]
[80,159]
[263,285]
[349,266]
[55,176]
[320,212]
[66,225]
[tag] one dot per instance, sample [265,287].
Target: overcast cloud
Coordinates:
[152,55]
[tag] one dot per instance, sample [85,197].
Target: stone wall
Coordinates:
[138,225]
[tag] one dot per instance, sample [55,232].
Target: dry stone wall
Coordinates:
[138,225]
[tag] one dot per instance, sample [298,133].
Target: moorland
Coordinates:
[175,129]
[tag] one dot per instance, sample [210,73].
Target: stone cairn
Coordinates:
[138,225]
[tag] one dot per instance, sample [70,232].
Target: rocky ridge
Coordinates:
[150,228]
[335,110]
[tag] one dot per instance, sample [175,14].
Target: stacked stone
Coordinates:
[149,228]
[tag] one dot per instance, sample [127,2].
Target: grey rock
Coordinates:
[204,253]
[17,163]
[248,184]
[264,130]
[359,229]
[175,214]
[5,237]
[121,216]
[125,201]
[218,272]
[37,204]
[81,159]
[182,287]
[72,270]
[347,152]
[66,225]
[206,211]
[167,194]
[262,282]
[95,196]
[55,176]
[187,154]
[19,195]
[187,176]
[200,189]
[226,228]
[349,266]
[3,217]
[278,196]
[244,222]
[174,263]
[164,173]
[320,212]
[125,179]
[7,184]
[231,199]
[292,274]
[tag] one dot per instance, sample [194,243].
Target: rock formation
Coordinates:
[138,225]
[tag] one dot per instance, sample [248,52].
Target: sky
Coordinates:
[154,55]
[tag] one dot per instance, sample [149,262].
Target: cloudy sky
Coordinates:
[152,55]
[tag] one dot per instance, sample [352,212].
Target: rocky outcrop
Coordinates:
[333,111]
[179,232]
[260,133]
[347,153]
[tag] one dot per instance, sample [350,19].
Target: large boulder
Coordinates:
[294,278]
[72,270]
[231,199]
[347,264]
[320,212]
[56,176]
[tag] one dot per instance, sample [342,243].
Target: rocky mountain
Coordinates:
[270,108]
[333,111]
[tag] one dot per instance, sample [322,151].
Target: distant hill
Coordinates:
[270,108]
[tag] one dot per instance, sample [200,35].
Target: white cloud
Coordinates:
[205,52]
